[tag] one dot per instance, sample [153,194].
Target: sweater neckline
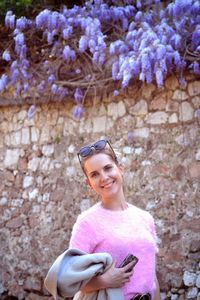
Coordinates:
[114,212]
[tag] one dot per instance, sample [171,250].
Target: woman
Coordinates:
[116,227]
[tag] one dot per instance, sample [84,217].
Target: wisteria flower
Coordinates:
[198,114]
[31,111]
[78,112]
[15,76]
[69,54]
[83,43]
[51,79]
[130,137]
[3,82]
[54,89]
[19,39]
[10,20]
[116,93]
[78,95]
[21,23]
[6,55]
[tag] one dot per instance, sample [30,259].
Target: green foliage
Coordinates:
[18,7]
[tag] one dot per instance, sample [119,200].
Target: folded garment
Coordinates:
[73,269]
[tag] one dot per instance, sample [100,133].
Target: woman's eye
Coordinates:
[108,167]
[94,175]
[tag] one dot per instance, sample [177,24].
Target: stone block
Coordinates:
[99,124]
[25,137]
[116,109]
[194,88]
[156,118]
[172,106]
[194,170]
[198,281]
[33,194]
[140,108]
[11,157]
[15,223]
[192,293]
[141,133]
[15,138]
[45,135]
[158,103]
[22,115]
[35,134]
[197,156]
[44,164]
[196,102]
[33,164]
[48,150]
[171,83]
[180,95]
[173,118]
[28,181]
[148,90]
[186,112]
[22,164]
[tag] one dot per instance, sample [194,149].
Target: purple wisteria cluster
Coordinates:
[101,40]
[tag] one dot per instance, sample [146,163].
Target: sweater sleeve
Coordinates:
[83,236]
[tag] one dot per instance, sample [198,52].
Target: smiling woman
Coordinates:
[116,227]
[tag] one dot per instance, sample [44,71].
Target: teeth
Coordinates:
[108,185]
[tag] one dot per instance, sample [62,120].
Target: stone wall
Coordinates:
[42,190]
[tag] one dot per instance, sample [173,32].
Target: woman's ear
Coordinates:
[87,181]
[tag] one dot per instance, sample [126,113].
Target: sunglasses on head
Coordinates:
[98,146]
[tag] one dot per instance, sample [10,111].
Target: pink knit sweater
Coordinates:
[119,233]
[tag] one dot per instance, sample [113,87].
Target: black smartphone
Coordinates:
[127,260]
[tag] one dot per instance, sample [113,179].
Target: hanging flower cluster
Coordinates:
[77,49]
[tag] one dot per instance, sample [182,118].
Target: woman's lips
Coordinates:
[107,185]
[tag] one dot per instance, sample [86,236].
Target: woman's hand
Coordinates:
[117,277]
[112,278]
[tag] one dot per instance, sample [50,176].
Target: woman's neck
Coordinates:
[118,203]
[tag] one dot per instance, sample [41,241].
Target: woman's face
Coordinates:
[104,175]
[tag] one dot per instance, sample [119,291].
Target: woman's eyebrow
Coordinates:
[93,172]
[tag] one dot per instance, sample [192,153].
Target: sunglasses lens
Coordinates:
[85,151]
[100,145]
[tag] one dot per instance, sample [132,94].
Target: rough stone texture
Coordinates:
[42,187]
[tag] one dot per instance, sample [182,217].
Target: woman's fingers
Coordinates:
[129,267]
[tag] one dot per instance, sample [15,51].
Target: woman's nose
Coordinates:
[103,176]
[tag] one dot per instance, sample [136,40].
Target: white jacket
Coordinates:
[73,269]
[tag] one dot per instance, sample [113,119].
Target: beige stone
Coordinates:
[194,170]
[194,88]
[15,223]
[15,138]
[116,109]
[140,108]
[196,102]
[99,124]
[148,90]
[171,83]
[186,112]
[34,163]
[35,133]
[25,137]
[156,118]
[180,95]
[141,132]
[173,118]
[172,106]
[45,133]
[158,103]
[12,157]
